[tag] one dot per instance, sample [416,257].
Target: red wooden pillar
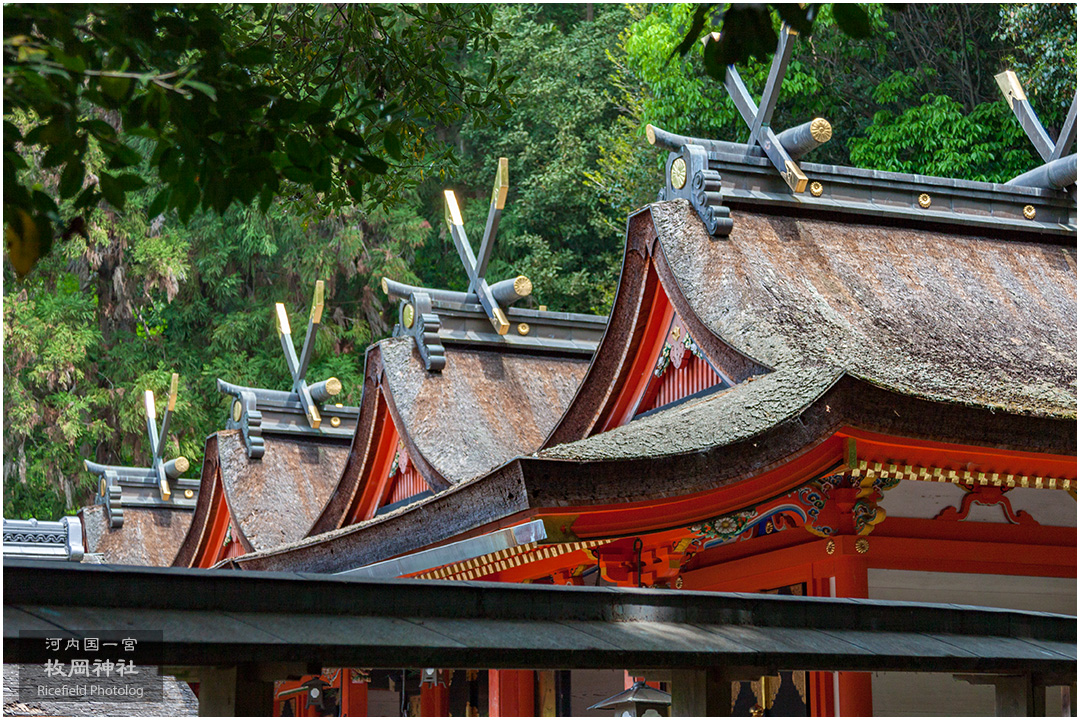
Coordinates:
[435,700]
[853,688]
[510,693]
[822,694]
[821,684]
[354,696]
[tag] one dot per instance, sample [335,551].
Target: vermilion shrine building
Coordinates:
[815,380]
[821,381]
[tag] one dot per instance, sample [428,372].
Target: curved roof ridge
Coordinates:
[732,415]
[485,408]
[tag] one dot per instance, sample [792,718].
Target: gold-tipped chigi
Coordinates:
[453,214]
[502,184]
[148,401]
[503,325]
[1010,87]
[317,303]
[173,387]
[794,177]
[282,320]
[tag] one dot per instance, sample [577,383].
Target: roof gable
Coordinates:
[942,316]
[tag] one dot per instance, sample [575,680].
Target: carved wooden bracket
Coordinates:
[986,495]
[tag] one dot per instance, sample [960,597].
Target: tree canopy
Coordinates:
[194,164]
[232,104]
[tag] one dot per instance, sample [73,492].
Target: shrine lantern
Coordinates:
[639,701]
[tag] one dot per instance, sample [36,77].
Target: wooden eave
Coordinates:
[405,405]
[649,283]
[787,419]
[365,476]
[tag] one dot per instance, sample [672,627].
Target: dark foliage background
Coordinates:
[175,190]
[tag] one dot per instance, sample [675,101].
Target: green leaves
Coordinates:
[392,146]
[112,190]
[936,137]
[852,19]
[202,87]
[159,203]
[747,30]
[210,88]
[1042,42]
[697,24]
[71,179]
[373,164]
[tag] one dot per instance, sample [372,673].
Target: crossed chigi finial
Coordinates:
[476,266]
[434,316]
[781,149]
[152,486]
[1059,170]
[173,468]
[691,174]
[313,395]
[256,411]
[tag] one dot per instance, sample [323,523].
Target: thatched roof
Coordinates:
[148,536]
[721,418]
[907,331]
[482,410]
[945,316]
[276,498]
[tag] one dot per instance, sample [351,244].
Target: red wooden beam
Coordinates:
[213,548]
[648,516]
[510,693]
[375,480]
[435,700]
[639,370]
[876,447]
[796,563]
[978,531]
[655,515]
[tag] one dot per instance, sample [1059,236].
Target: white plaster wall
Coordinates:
[908,694]
[921,499]
[1048,507]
